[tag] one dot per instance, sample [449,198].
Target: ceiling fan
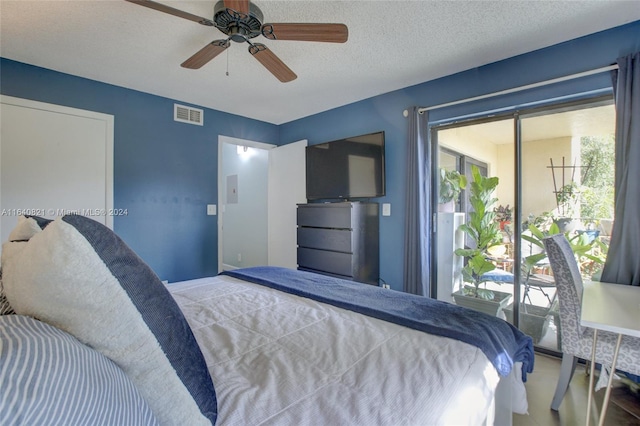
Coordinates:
[241,21]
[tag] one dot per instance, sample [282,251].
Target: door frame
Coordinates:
[221,182]
[292,193]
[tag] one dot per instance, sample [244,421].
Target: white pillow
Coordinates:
[5,307]
[79,276]
[26,228]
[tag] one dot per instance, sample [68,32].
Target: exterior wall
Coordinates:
[481,150]
[506,188]
[537,180]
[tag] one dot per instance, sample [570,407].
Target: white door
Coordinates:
[54,160]
[287,187]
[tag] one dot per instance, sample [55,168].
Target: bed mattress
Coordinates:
[276,358]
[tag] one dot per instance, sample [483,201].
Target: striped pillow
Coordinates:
[49,377]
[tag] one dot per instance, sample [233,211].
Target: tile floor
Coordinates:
[542,384]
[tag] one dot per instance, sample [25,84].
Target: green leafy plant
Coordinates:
[483,229]
[536,237]
[597,198]
[451,184]
[590,252]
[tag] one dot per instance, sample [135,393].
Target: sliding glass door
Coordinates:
[485,148]
[567,169]
[554,172]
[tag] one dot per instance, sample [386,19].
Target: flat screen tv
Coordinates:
[347,168]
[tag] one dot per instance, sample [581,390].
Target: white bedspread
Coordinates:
[280,359]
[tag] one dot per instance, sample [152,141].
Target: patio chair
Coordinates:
[577,340]
[541,282]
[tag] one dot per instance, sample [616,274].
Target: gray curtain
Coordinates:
[623,261]
[418,207]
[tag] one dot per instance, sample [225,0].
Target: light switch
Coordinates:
[211,210]
[386,209]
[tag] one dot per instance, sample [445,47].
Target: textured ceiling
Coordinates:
[392,44]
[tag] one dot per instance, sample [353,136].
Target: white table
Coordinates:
[614,308]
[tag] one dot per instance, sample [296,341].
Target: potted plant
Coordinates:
[566,202]
[503,215]
[451,184]
[483,229]
[534,319]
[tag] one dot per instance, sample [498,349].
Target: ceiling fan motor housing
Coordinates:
[238,26]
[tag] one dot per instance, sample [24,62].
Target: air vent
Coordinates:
[187,114]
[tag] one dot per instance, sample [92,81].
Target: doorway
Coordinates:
[242,197]
[259,187]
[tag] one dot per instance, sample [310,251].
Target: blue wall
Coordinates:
[166,172]
[384,112]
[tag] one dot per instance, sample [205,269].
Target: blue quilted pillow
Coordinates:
[49,377]
[79,276]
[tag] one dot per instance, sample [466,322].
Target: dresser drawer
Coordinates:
[327,239]
[325,216]
[329,261]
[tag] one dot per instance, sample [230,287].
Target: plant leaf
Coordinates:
[534,258]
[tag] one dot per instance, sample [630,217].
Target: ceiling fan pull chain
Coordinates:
[227,63]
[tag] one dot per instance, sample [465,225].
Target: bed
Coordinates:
[250,347]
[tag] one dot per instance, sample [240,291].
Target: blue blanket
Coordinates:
[501,342]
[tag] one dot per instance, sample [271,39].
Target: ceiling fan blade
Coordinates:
[206,54]
[175,12]
[240,6]
[272,62]
[331,33]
